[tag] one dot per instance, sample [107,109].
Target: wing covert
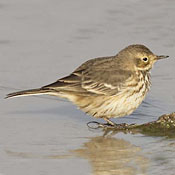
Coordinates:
[99,76]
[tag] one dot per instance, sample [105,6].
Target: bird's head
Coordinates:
[140,57]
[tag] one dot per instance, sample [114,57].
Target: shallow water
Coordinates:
[41,41]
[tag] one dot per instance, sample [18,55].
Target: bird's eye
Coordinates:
[145,59]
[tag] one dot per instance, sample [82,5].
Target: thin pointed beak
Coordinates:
[162,57]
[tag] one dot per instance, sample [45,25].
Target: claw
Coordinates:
[97,125]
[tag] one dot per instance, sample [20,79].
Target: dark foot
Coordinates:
[96,125]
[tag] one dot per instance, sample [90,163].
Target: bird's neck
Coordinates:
[146,77]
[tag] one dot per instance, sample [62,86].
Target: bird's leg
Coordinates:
[108,125]
[96,125]
[113,125]
[109,122]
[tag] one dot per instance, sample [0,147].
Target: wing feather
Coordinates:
[99,76]
[106,82]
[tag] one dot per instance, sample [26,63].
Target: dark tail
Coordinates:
[38,91]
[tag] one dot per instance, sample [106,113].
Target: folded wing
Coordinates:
[100,76]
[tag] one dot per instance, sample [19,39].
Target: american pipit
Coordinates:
[106,87]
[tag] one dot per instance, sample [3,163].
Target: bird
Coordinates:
[105,87]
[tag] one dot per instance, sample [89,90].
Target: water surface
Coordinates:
[41,41]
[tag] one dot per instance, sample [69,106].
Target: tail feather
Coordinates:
[28,92]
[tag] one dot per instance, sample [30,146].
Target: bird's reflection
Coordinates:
[106,155]
[109,156]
